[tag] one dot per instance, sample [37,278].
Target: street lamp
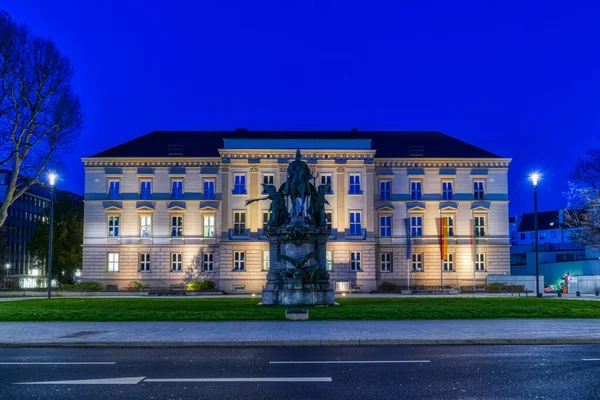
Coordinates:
[7,266]
[51,180]
[535,177]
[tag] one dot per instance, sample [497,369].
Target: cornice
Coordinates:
[151,162]
[443,162]
[291,154]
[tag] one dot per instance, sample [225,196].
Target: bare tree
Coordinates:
[39,113]
[583,200]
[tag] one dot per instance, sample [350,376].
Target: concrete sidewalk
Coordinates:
[309,333]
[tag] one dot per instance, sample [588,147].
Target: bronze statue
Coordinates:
[317,204]
[278,207]
[297,185]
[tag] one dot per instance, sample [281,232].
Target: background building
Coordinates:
[559,253]
[20,225]
[170,204]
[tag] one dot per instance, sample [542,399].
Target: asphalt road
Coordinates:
[399,372]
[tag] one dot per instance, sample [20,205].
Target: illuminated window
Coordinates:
[329,260]
[145,225]
[265,260]
[386,262]
[113,262]
[176,262]
[209,225]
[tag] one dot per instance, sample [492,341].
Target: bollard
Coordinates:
[597,293]
[559,294]
[578,293]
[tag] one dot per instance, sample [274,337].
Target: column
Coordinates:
[225,197]
[341,197]
[369,195]
[254,212]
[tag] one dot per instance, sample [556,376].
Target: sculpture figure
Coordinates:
[317,204]
[278,207]
[297,185]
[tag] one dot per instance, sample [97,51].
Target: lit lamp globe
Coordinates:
[52,178]
[535,177]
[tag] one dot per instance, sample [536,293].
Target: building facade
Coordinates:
[23,217]
[169,205]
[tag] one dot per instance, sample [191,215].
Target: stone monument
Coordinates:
[297,232]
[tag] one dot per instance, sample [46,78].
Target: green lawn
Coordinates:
[236,309]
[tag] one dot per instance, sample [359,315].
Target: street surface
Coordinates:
[379,372]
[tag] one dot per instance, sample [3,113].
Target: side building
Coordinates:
[18,262]
[169,205]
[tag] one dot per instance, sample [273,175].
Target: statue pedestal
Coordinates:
[283,288]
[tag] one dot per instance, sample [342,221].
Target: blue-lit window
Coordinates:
[146,190]
[416,226]
[239,184]
[415,190]
[177,190]
[478,192]
[114,190]
[385,190]
[209,190]
[385,226]
[355,227]
[447,193]
[355,184]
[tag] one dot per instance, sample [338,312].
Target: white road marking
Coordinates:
[60,363]
[590,359]
[109,381]
[351,362]
[217,380]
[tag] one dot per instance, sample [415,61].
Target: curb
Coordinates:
[305,343]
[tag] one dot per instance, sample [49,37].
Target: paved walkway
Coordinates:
[284,333]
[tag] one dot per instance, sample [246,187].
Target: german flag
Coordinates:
[443,237]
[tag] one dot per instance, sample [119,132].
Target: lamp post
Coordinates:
[535,177]
[7,266]
[51,180]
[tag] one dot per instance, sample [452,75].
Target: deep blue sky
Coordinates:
[519,78]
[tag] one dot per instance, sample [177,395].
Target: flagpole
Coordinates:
[408,250]
[441,250]
[473,250]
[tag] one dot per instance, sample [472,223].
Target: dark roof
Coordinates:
[207,143]
[546,220]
